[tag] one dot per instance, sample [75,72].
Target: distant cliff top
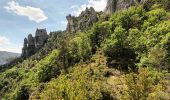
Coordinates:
[33,44]
[115,5]
[83,21]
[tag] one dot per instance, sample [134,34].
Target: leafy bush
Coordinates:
[117,49]
[154,17]
[79,48]
[136,41]
[100,31]
[22,93]
[82,83]
[132,17]
[165,4]
[155,39]
[147,84]
[46,67]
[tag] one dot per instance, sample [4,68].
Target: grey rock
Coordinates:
[71,23]
[25,42]
[116,5]
[86,19]
[33,44]
[30,40]
[24,49]
[41,37]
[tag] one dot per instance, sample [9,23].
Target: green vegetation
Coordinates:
[79,84]
[94,64]
[79,48]
[148,84]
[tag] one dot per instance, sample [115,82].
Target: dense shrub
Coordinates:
[153,17]
[132,17]
[116,48]
[147,84]
[100,31]
[79,48]
[47,67]
[22,93]
[162,4]
[136,41]
[165,4]
[156,39]
[80,84]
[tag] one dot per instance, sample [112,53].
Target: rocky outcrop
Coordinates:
[83,21]
[115,5]
[71,23]
[40,37]
[33,44]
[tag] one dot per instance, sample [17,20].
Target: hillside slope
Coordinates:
[122,56]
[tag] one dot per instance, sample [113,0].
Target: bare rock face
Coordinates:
[24,49]
[71,23]
[30,40]
[115,5]
[33,44]
[84,20]
[25,42]
[40,37]
[111,6]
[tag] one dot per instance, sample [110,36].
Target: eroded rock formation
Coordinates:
[115,5]
[84,20]
[33,44]
[40,37]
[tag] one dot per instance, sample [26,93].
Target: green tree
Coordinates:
[79,48]
[47,67]
[117,49]
[147,84]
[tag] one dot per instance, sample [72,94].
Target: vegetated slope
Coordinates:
[5,56]
[94,64]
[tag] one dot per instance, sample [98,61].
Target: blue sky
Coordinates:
[18,18]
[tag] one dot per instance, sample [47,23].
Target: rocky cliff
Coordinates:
[115,5]
[75,24]
[33,44]
[84,20]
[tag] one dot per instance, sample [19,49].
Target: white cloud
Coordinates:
[11,48]
[34,14]
[98,5]
[4,40]
[7,45]
[74,6]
